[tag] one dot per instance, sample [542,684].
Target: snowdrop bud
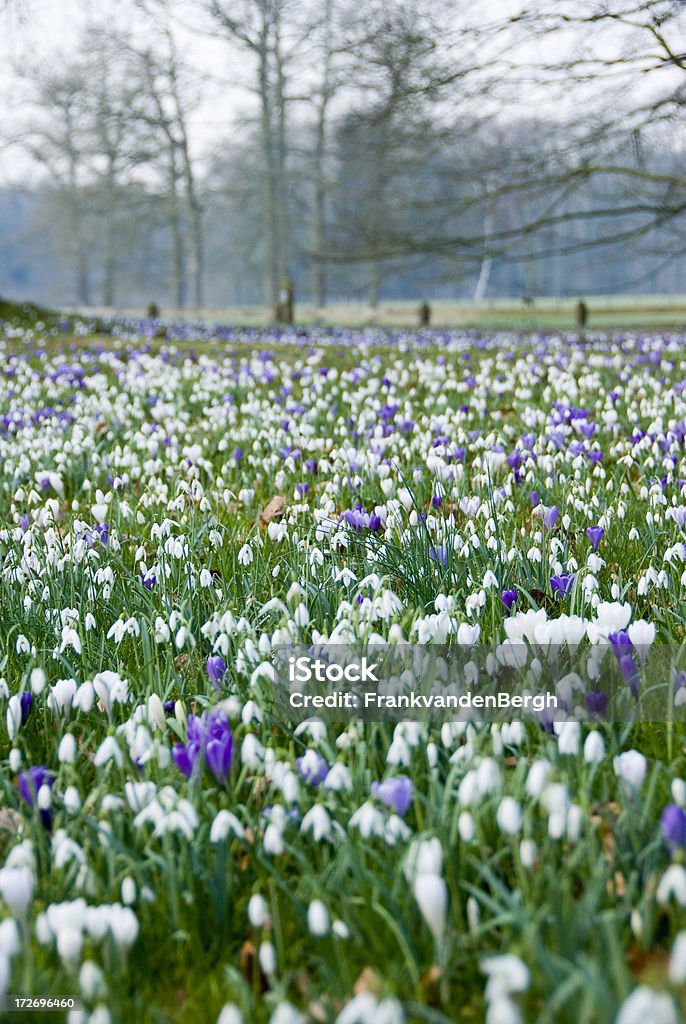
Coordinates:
[466,827]
[69,943]
[156,715]
[72,800]
[575,823]
[257,910]
[13,715]
[630,767]
[509,816]
[230,1014]
[317,918]
[44,798]
[128,891]
[677,961]
[66,751]
[273,840]
[340,929]
[91,980]
[645,1004]
[594,748]
[267,957]
[37,680]
[528,852]
[431,894]
[679,792]
[672,884]
[15,759]
[473,914]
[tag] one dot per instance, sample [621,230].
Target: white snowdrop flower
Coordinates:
[10,940]
[677,960]
[16,888]
[473,914]
[44,798]
[70,638]
[161,633]
[630,767]
[230,1014]
[13,715]
[672,885]
[252,751]
[575,823]
[37,680]
[258,911]
[128,891]
[22,645]
[679,792]
[225,824]
[72,800]
[369,820]
[245,555]
[66,752]
[466,827]
[528,852]
[181,637]
[301,616]
[399,752]
[568,737]
[340,929]
[62,695]
[84,697]
[506,974]
[645,1004]
[361,1009]
[15,759]
[287,1014]
[92,983]
[642,636]
[594,748]
[338,778]
[273,840]
[509,816]
[69,943]
[424,856]
[266,955]
[109,750]
[100,1015]
[317,918]
[155,712]
[431,894]
[205,578]
[318,822]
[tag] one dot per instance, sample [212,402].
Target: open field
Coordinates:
[605,312]
[174,512]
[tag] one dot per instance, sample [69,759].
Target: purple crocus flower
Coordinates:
[595,534]
[562,584]
[439,554]
[26,703]
[149,579]
[596,702]
[216,670]
[312,767]
[209,735]
[219,747]
[550,517]
[508,597]
[185,757]
[30,782]
[301,490]
[436,501]
[627,667]
[396,793]
[673,827]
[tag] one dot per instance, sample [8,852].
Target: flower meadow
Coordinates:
[174,508]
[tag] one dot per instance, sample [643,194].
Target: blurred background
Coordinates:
[205,155]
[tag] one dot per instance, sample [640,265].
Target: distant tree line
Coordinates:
[378,157]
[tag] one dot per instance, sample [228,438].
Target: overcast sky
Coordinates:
[46,32]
